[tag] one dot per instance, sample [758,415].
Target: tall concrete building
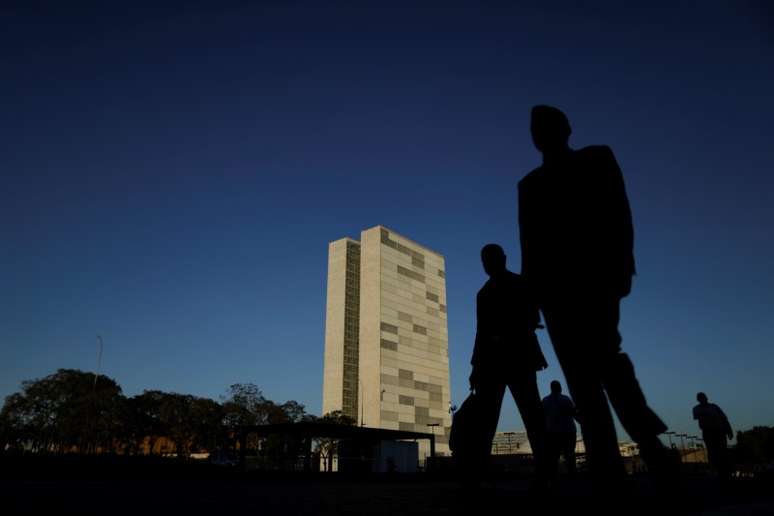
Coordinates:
[386,336]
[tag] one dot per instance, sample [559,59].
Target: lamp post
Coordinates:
[669,436]
[510,444]
[361,395]
[432,439]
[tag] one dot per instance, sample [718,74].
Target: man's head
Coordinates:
[701,398]
[493,258]
[556,387]
[550,130]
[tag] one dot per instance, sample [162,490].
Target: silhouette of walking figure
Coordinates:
[715,429]
[577,256]
[507,353]
[560,427]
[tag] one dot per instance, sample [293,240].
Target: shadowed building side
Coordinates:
[340,381]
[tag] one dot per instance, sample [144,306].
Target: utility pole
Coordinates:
[361,395]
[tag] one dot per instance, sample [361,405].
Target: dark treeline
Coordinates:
[73,411]
[756,446]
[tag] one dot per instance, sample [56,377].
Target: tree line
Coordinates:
[73,411]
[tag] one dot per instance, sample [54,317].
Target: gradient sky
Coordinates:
[171,179]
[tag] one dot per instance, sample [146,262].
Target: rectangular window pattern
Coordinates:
[414,374]
[387,344]
[411,274]
[390,328]
[351,330]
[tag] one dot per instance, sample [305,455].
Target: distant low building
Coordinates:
[511,443]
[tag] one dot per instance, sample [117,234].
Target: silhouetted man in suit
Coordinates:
[507,352]
[715,429]
[577,256]
[560,428]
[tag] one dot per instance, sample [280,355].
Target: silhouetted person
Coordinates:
[577,256]
[507,352]
[715,428]
[560,427]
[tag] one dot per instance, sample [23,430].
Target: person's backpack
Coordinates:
[468,439]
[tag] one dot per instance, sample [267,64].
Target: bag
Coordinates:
[467,437]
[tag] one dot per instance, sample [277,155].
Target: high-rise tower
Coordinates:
[386,336]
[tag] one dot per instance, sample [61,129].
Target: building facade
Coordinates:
[386,335]
[511,443]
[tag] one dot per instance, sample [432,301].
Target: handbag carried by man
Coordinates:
[468,439]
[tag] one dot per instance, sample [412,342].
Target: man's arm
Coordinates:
[622,230]
[526,234]
[727,426]
[476,358]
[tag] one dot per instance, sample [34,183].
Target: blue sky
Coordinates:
[172,176]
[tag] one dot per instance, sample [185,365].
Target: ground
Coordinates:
[366,495]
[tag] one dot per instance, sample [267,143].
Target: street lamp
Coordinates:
[510,445]
[432,439]
[669,436]
[361,396]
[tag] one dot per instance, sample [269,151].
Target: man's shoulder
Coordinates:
[514,280]
[716,408]
[486,287]
[596,154]
[595,150]
[513,276]
[529,179]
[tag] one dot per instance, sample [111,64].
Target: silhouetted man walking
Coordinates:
[507,352]
[715,428]
[577,256]
[560,428]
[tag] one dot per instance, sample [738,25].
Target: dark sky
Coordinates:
[171,178]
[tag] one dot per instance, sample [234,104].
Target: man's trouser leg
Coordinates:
[489,393]
[523,387]
[625,394]
[575,337]
[568,451]
[717,453]
[553,452]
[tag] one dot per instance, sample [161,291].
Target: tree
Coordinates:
[67,410]
[294,411]
[208,429]
[142,420]
[241,407]
[756,446]
[14,422]
[176,414]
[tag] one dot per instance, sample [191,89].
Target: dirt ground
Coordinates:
[288,495]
